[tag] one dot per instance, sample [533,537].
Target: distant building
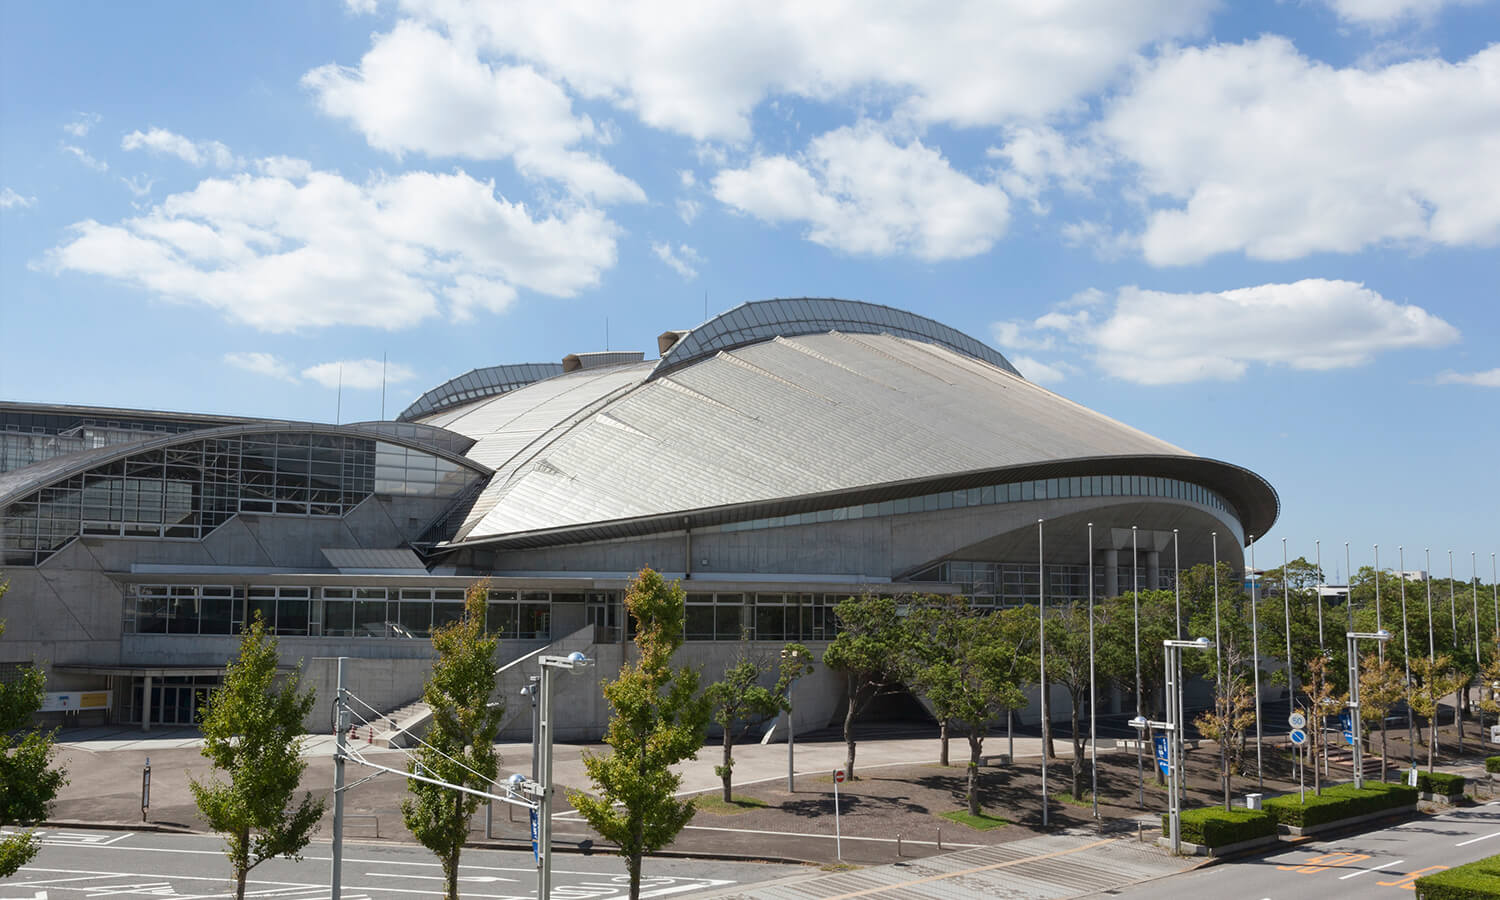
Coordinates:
[777,459]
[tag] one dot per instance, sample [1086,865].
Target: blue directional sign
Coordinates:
[1347,724]
[535,855]
[1299,737]
[1161,753]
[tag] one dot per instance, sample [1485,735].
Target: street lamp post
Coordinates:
[550,665]
[1172,653]
[1354,723]
[795,658]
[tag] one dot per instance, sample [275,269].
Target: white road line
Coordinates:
[482,879]
[799,834]
[1477,840]
[398,862]
[1388,865]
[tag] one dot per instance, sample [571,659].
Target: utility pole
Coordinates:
[340,734]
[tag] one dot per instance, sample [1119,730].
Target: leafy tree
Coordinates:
[1115,647]
[27,782]
[1232,713]
[459,747]
[1382,685]
[869,652]
[1321,701]
[740,701]
[979,673]
[659,720]
[252,731]
[1489,699]
[1068,661]
[1435,679]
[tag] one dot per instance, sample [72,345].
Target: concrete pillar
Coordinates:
[146,703]
[1111,573]
[1153,570]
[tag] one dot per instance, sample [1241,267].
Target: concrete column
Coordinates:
[1111,573]
[146,703]
[1153,570]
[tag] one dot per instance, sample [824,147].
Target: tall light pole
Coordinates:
[341,730]
[550,666]
[1176,587]
[796,659]
[1135,580]
[1041,607]
[1220,689]
[1093,731]
[1318,548]
[1260,774]
[1355,725]
[1348,586]
[1411,724]
[1379,648]
[1172,664]
[1286,600]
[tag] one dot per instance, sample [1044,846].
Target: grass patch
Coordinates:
[981,822]
[1067,797]
[714,804]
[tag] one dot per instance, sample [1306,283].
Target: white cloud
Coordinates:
[860,193]
[684,260]
[1105,243]
[284,167]
[1038,156]
[1381,14]
[1155,337]
[82,124]
[78,153]
[361,7]
[701,71]
[686,178]
[9,198]
[261,364]
[1020,336]
[417,91]
[282,254]
[357,374]
[196,153]
[1253,147]
[138,185]
[1478,379]
[1040,372]
[687,210]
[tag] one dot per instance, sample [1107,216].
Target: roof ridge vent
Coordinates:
[597,360]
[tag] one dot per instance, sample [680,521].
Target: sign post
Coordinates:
[838,834]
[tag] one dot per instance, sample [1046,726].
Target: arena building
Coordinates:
[777,458]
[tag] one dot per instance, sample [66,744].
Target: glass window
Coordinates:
[415,619]
[728,623]
[338,616]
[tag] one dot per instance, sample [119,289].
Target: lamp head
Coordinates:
[578,661]
[516,779]
[1138,723]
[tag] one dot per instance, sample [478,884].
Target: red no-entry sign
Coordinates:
[838,776]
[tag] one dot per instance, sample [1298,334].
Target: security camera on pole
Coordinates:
[1354,638]
[1172,651]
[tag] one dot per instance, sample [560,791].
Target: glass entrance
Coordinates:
[175,699]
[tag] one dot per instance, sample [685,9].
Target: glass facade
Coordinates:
[186,490]
[477,384]
[1015,584]
[344,611]
[1013,492]
[765,319]
[736,615]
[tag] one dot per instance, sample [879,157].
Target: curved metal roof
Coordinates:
[761,320]
[19,482]
[477,384]
[788,420]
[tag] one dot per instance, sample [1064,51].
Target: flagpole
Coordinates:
[1041,596]
[1220,689]
[1318,545]
[1093,733]
[1260,773]
[1411,738]
[1379,645]
[1135,578]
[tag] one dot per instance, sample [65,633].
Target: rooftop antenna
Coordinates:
[705,306]
[382,385]
[338,407]
[606,334]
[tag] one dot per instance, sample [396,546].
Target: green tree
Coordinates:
[740,701]
[869,652]
[1115,647]
[979,673]
[252,732]
[1068,660]
[459,747]
[1434,679]
[28,783]
[659,719]
[1381,686]
[1321,702]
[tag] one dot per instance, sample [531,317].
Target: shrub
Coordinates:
[1343,801]
[1479,880]
[1211,826]
[1440,783]
[1492,764]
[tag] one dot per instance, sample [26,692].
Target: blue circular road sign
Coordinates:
[1299,737]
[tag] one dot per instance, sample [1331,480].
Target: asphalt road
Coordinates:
[111,864]
[1376,864]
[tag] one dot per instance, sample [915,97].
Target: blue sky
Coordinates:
[1265,232]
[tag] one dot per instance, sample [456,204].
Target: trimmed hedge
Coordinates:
[1440,783]
[1211,826]
[1479,880]
[1342,801]
[1492,764]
